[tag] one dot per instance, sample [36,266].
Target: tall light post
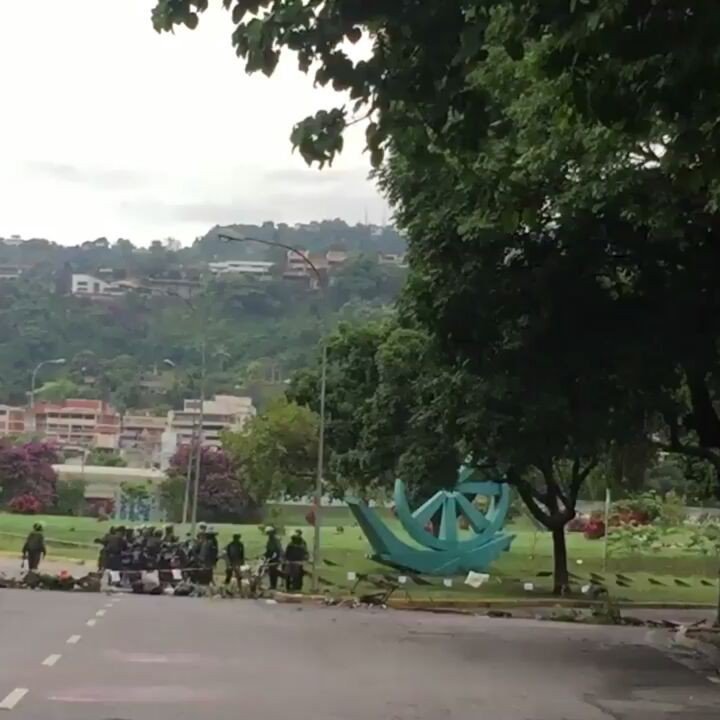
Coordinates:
[197,438]
[189,472]
[38,367]
[229,235]
[201,420]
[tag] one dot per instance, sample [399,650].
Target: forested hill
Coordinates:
[257,330]
[166,254]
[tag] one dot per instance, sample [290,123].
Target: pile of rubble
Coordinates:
[43,581]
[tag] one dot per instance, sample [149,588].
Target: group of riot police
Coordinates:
[130,550]
[133,550]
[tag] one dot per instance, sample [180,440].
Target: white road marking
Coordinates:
[13,698]
[50,660]
[109,605]
[91,622]
[73,640]
[714,679]
[100,613]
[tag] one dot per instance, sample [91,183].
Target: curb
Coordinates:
[399,604]
[686,638]
[469,606]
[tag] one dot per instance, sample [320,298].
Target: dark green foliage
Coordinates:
[70,497]
[390,410]
[277,451]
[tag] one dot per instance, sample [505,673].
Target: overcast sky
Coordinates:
[107,128]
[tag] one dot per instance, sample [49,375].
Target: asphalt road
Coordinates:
[176,658]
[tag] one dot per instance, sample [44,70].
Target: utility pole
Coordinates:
[33,379]
[231,236]
[320,472]
[198,454]
[188,478]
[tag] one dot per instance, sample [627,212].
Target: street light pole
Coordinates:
[201,420]
[38,367]
[229,235]
[198,453]
[320,470]
[189,472]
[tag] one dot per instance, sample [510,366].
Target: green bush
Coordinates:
[642,508]
[70,497]
[672,510]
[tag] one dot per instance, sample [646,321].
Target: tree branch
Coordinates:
[689,450]
[705,418]
[578,478]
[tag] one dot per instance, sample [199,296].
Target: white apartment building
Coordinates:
[392,259]
[223,412]
[257,268]
[96,287]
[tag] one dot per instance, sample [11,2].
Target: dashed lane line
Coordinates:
[13,698]
[50,660]
[91,622]
[73,640]
[100,613]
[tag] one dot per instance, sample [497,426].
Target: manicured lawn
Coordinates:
[530,555]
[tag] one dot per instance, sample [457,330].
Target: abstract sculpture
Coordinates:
[448,552]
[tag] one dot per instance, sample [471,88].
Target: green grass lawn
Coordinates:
[530,555]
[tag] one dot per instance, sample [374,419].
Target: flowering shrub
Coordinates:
[26,504]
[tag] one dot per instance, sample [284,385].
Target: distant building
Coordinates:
[181,287]
[10,272]
[335,258]
[392,259]
[141,438]
[104,485]
[84,423]
[295,265]
[256,268]
[297,268]
[12,420]
[13,240]
[223,412]
[95,287]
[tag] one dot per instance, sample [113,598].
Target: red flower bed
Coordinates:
[26,504]
[595,529]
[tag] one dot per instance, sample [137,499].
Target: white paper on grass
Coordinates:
[402,579]
[476,580]
[244,568]
[585,589]
[351,575]
[447,582]
[529,587]
[177,574]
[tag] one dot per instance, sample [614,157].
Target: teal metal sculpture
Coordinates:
[447,553]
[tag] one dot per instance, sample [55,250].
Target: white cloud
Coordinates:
[108,128]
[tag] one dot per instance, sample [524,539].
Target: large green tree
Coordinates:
[390,410]
[277,452]
[574,129]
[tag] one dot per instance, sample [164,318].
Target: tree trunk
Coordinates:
[561,577]
[717,617]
